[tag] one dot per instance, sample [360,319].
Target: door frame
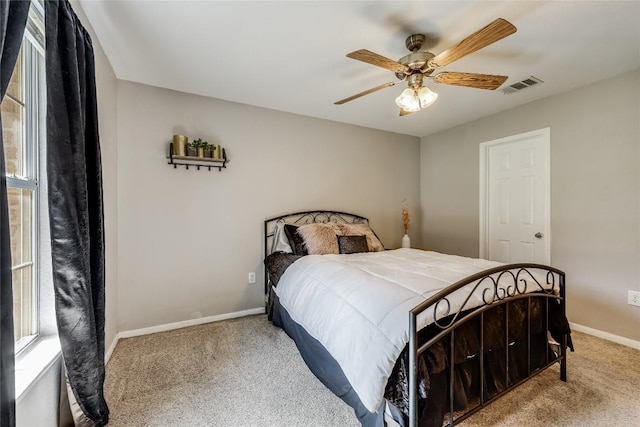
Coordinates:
[545,133]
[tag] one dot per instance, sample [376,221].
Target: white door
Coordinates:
[515,198]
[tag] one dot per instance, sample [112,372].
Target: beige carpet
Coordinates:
[246,372]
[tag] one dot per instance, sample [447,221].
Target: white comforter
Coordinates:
[357,306]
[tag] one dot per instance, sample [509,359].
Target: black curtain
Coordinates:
[75,205]
[13,20]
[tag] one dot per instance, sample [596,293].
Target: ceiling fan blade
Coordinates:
[378,60]
[366,92]
[480,81]
[497,30]
[404,112]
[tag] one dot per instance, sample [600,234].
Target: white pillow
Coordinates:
[280,242]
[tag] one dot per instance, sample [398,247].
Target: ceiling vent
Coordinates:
[523,84]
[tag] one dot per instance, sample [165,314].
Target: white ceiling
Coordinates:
[290,55]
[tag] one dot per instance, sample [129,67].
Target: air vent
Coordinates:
[523,84]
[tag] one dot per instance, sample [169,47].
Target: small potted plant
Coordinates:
[206,149]
[199,145]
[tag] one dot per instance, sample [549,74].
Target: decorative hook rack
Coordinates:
[198,162]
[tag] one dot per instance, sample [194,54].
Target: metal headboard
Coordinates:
[306,217]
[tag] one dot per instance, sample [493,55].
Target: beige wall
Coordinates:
[188,238]
[595,186]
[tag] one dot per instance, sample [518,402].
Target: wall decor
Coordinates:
[205,155]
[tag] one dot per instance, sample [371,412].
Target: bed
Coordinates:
[408,336]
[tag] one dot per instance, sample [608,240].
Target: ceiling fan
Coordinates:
[418,65]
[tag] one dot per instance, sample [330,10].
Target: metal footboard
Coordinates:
[481,292]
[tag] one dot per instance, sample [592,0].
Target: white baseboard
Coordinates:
[178,325]
[112,347]
[606,335]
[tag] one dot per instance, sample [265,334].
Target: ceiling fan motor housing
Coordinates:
[414,42]
[415,61]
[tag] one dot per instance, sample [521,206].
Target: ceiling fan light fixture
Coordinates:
[411,100]
[426,97]
[408,100]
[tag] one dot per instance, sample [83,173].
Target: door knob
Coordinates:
[539,235]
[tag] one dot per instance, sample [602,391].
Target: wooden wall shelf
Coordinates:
[198,162]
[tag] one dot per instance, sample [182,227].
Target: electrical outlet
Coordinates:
[634,298]
[252,277]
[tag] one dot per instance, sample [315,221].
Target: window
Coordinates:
[23,129]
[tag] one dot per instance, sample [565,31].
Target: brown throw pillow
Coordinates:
[352,244]
[357,229]
[295,240]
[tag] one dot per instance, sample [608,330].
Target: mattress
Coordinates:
[356,306]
